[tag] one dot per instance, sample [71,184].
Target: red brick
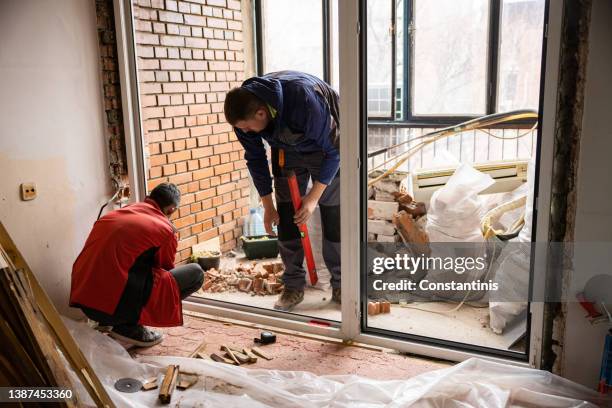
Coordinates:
[195,20]
[174,88]
[216,22]
[157,160]
[179,156]
[170,17]
[206,214]
[169,169]
[175,111]
[177,133]
[224,168]
[155,172]
[172,41]
[181,178]
[169,64]
[203,173]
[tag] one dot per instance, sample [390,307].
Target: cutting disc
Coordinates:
[128,385]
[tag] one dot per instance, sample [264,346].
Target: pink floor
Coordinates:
[290,352]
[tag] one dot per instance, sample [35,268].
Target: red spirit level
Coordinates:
[296,198]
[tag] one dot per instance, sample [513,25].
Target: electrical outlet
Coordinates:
[28,191]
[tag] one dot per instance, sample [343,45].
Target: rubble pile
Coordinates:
[251,277]
[393,215]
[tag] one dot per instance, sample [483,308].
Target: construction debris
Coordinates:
[150,384]
[199,352]
[230,354]
[221,359]
[186,380]
[387,201]
[250,277]
[259,352]
[168,384]
[252,356]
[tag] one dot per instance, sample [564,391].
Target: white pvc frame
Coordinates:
[130,102]
[350,327]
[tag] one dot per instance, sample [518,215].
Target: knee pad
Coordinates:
[287,230]
[330,220]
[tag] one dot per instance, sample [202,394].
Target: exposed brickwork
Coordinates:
[112,93]
[189,55]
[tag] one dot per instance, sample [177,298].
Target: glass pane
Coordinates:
[293,36]
[335,66]
[520,54]
[380,58]
[450,57]
[399,59]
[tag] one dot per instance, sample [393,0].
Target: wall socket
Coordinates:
[28,191]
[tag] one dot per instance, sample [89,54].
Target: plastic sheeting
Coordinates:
[473,383]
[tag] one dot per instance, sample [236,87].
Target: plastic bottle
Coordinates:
[254,223]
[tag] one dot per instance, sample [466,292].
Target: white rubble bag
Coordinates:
[513,267]
[455,210]
[472,383]
[512,277]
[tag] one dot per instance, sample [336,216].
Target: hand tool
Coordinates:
[296,198]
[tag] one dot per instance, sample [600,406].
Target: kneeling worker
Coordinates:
[125,275]
[298,114]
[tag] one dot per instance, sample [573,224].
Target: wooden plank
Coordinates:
[168,384]
[250,354]
[242,358]
[56,326]
[150,384]
[221,359]
[199,352]
[230,353]
[259,352]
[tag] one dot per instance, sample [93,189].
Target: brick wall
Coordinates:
[190,53]
[105,25]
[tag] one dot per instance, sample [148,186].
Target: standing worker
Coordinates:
[125,275]
[298,114]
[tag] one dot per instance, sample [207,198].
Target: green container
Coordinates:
[260,246]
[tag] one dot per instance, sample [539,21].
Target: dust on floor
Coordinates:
[290,352]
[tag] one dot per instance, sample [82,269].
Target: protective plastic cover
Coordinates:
[473,383]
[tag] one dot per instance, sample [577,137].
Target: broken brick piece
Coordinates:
[402,198]
[258,285]
[416,209]
[244,284]
[273,267]
[411,232]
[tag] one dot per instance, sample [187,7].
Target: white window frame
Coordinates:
[350,327]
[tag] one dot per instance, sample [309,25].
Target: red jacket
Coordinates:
[100,273]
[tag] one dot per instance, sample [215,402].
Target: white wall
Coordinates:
[583,342]
[51,133]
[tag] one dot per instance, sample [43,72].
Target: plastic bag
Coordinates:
[512,277]
[455,210]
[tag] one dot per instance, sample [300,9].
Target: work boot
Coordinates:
[288,299]
[337,295]
[136,334]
